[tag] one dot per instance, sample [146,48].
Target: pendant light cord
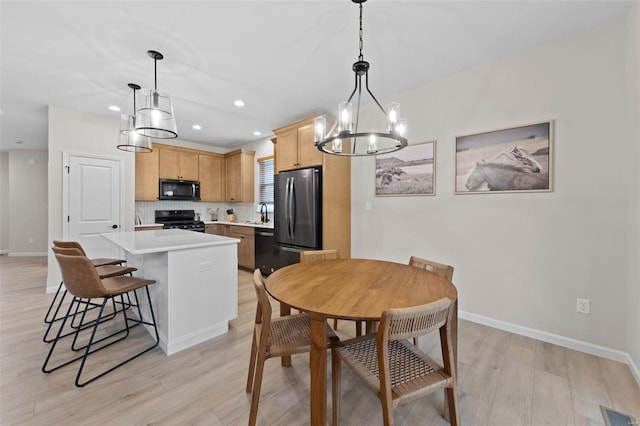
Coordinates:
[360,57]
[155,73]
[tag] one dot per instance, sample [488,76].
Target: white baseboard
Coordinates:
[566,342]
[634,368]
[29,254]
[5,251]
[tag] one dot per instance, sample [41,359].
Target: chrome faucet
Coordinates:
[264,213]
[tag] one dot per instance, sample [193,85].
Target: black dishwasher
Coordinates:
[266,258]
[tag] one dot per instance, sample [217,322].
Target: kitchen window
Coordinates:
[265,181]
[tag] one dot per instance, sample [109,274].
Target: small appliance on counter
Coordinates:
[214,214]
[179,219]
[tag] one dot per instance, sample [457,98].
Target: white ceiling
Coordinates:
[285,59]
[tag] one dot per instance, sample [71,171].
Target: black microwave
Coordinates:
[173,189]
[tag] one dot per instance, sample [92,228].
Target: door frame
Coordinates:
[66,155]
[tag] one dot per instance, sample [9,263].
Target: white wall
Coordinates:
[633,81]
[77,132]
[4,202]
[27,202]
[523,258]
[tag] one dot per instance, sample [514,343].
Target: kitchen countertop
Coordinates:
[251,224]
[164,240]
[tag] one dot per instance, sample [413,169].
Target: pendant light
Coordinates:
[129,139]
[155,117]
[345,138]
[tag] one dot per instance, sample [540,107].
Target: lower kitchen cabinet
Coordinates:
[246,248]
[214,228]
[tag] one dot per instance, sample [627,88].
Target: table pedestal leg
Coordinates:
[318,365]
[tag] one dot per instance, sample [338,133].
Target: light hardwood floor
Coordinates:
[504,379]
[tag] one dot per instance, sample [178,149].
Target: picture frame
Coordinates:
[513,159]
[408,172]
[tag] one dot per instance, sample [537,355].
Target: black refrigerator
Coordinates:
[298,213]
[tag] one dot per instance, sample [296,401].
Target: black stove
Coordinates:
[179,219]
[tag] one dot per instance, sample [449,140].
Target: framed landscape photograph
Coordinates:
[516,159]
[410,171]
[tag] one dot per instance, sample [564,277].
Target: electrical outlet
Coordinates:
[583,306]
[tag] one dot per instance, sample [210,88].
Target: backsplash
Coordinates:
[244,211]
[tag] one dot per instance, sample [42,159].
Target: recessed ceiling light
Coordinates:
[256,133]
[197,127]
[114,108]
[239,103]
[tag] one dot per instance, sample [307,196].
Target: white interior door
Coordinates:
[94,197]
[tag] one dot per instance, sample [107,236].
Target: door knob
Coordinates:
[114,226]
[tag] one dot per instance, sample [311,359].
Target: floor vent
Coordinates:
[614,418]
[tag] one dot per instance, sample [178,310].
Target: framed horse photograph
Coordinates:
[515,159]
[410,171]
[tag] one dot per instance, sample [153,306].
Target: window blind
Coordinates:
[265,180]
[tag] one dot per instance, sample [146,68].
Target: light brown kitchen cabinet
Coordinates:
[147,175]
[246,248]
[295,147]
[239,165]
[178,164]
[214,228]
[171,162]
[212,177]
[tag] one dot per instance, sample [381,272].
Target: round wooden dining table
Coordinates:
[356,289]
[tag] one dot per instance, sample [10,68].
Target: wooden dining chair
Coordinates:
[310,256]
[445,271]
[441,269]
[275,337]
[96,262]
[393,368]
[104,271]
[81,279]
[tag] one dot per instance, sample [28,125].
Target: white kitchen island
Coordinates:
[196,293]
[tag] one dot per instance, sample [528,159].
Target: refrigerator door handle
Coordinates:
[287,219]
[292,208]
[284,213]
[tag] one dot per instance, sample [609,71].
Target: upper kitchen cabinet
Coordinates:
[295,147]
[178,164]
[147,175]
[212,177]
[239,166]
